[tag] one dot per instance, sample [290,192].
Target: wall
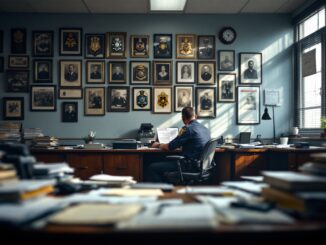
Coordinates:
[270,34]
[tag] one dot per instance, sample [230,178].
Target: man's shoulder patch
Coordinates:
[182,131]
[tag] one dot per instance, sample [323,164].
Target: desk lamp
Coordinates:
[266,116]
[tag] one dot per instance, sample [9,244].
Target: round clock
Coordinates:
[227,35]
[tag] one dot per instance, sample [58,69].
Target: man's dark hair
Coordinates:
[188,112]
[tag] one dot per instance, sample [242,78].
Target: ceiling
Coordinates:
[142,6]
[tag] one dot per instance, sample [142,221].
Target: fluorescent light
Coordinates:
[168,5]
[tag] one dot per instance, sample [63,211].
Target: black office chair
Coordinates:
[194,172]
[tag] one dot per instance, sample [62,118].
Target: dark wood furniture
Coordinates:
[231,163]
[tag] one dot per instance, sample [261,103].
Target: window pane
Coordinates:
[312,90]
[311,118]
[312,24]
[321,18]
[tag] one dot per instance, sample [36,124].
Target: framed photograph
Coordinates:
[206,102]
[18,41]
[141,99]
[94,101]
[248,105]
[162,47]
[226,87]
[183,96]
[140,72]
[186,72]
[70,73]
[95,72]
[43,98]
[42,43]
[117,72]
[226,60]
[70,93]
[206,47]
[250,68]
[17,80]
[13,108]
[70,42]
[95,46]
[2,64]
[69,112]
[118,99]
[206,72]
[1,41]
[18,61]
[162,72]
[162,100]
[139,46]
[42,71]
[186,46]
[116,45]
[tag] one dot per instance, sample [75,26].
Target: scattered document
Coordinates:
[165,135]
[217,202]
[133,192]
[254,188]
[206,190]
[258,179]
[106,177]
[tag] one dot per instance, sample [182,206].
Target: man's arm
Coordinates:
[164,147]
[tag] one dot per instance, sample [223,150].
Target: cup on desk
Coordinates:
[284,140]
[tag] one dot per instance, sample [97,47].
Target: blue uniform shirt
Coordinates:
[192,138]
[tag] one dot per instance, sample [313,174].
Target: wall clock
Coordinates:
[227,35]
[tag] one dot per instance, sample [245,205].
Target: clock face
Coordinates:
[227,35]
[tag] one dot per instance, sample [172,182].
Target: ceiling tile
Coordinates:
[263,6]
[214,6]
[15,6]
[118,6]
[58,6]
[291,5]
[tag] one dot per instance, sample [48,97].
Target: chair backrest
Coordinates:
[208,153]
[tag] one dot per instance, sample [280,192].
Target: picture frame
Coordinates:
[250,68]
[162,72]
[18,41]
[141,98]
[69,112]
[70,73]
[94,101]
[139,46]
[42,42]
[13,108]
[183,96]
[162,100]
[42,71]
[248,105]
[226,60]
[206,47]
[118,72]
[70,41]
[140,72]
[17,81]
[186,46]
[70,93]
[186,72]
[95,72]
[43,98]
[162,46]
[226,87]
[205,102]
[94,46]
[206,72]
[116,45]
[18,61]
[1,41]
[2,64]
[118,99]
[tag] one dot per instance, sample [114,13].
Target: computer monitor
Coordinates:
[244,137]
[165,135]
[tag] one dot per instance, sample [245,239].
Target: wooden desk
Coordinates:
[231,163]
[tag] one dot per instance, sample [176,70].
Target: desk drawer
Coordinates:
[123,164]
[85,164]
[250,163]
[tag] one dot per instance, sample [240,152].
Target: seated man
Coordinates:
[192,138]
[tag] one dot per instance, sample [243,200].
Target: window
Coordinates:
[310,72]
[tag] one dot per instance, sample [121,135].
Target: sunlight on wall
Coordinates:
[171,122]
[277,47]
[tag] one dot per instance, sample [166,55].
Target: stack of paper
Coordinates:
[133,192]
[112,180]
[206,190]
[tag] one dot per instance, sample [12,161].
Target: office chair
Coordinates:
[193,172]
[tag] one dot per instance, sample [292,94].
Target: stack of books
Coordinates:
[10,132]
[45,142]
[317,166]
[7,172]
[298,193]
[52,171]
[31,133]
